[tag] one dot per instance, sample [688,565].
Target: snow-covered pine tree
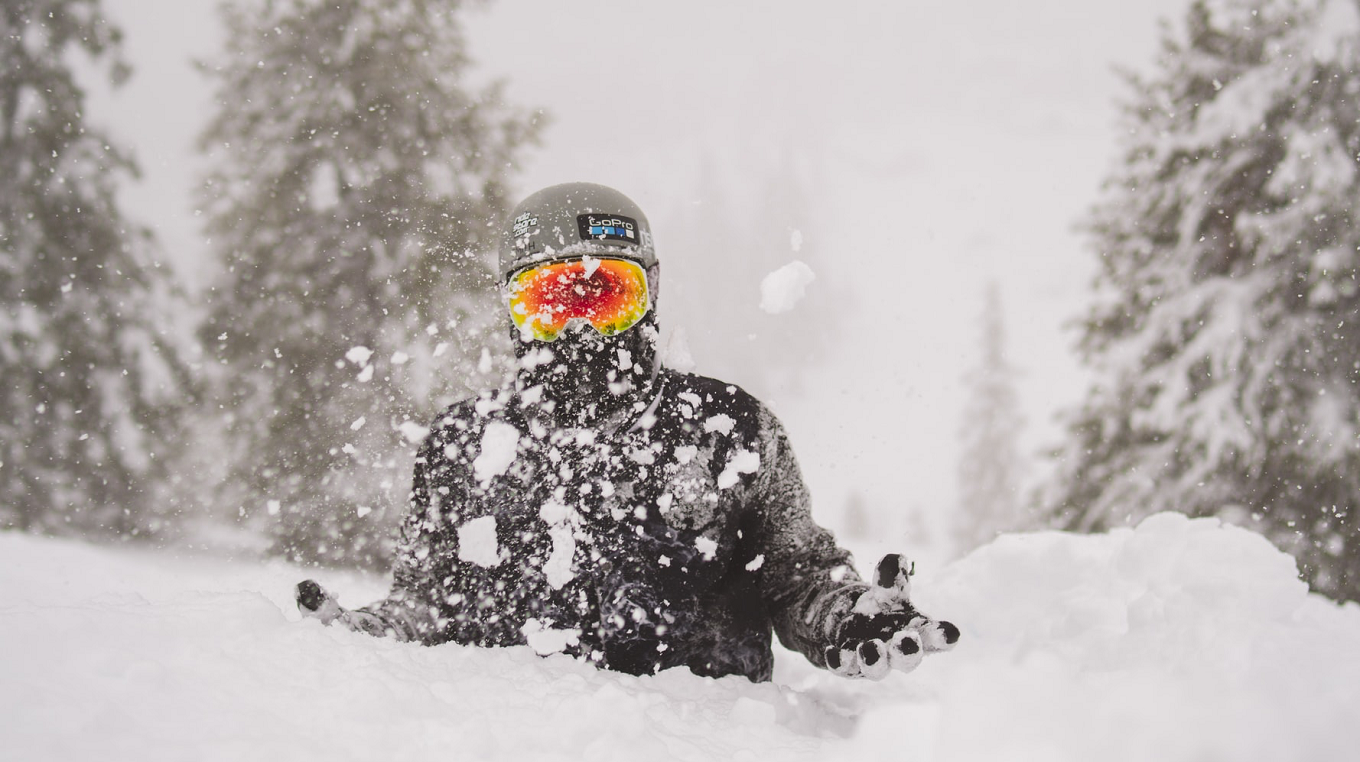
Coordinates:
[989,459]
[89,383]
[356,206]
[1226,337]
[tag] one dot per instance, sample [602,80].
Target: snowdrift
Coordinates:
[1178,640]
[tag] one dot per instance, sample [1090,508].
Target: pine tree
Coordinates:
[1226,336]
[356,209]
[989,464]
[89,382]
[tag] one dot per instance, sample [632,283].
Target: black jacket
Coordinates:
[682,537]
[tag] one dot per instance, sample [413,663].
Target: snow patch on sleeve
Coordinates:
[721,423]
[558,569]
[499,444]
[707,546]
[553,512]
[477,542]
[743,462]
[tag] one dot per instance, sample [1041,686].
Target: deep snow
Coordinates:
[1180,640]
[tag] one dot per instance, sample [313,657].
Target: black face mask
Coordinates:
[587,379]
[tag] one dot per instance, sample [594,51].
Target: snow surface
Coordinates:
[1180,640]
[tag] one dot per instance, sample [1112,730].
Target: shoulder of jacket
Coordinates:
[471,413]
[713,398]
[712,392]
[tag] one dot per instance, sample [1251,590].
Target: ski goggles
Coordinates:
[610,294]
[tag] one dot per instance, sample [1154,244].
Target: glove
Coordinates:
[884,631]
[315,603]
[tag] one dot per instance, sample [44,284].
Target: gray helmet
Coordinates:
[573,219]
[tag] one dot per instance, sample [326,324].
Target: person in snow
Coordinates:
[607,507]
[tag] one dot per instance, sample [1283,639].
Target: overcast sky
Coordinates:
[955,143]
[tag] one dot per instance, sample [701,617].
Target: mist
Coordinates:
[936,148]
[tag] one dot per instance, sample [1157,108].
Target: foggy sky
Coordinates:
[955,142]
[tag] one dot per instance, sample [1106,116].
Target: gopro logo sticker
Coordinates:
[608,227]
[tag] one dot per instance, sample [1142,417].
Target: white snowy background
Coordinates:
[955,143]
[950,144]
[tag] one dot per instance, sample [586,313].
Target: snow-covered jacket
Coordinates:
[683,537]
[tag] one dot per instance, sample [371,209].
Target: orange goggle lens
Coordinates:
[610,294]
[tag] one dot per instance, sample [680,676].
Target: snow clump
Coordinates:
[743,462]
[784,288]
[721,423]
[557,569]
[477,543]
[413,432]
[546,640]
[500,441]
[359,355]
[708,547]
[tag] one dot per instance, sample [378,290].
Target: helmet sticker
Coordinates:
[608,227]
[523,223]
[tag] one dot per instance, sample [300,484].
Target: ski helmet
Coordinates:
[570,220]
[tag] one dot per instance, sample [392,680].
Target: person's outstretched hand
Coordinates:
[884,631]
[314,602]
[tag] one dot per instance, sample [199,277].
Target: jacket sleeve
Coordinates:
[412,610]
[808,582]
